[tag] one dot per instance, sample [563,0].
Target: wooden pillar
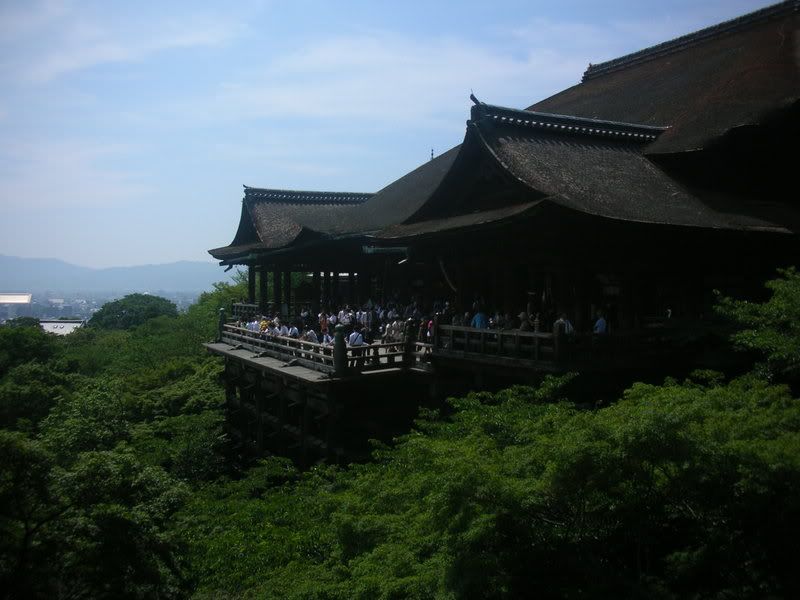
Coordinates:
[511,303]
[326,290]
[316,293]
[287,291]
[251,284]
[351,288]
[362,291]
[263,291]
[386,282]
[276,290]
[335,292]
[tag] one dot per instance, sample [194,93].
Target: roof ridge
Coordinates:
[565,123]
[691,39]
[304,196]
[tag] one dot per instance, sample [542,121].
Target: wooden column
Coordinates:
[276,290]
[287,291]
[251,284]
[263,291]
[316,292]
[326,293]
[351,288]
[335,292]
[365,281]
[386,282]
[511,303]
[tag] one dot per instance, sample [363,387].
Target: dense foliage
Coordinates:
[131,311]
[114,482]
[773,327]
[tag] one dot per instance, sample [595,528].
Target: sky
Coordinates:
[127,129]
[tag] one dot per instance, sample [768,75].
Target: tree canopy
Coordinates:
[131,311]
[116,481]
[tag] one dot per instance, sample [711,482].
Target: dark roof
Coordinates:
[597,168]
[776,11]
[701,85]
[457,222]
[586,148]
[275,218]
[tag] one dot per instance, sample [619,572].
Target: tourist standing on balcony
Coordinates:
[479,321]
[564,322]
[356,342]
[600,325]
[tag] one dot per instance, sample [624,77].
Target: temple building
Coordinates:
[662,176]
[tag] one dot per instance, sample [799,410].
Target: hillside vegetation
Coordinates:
[115,481]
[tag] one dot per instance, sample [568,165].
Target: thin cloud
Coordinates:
[391,79]
[67,41]
[51,174]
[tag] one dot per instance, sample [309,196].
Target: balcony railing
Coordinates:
[513,346]
[338,360]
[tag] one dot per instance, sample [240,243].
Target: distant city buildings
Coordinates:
[14,305]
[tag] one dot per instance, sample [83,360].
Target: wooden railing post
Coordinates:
[435,338]
[339,352]
[558,338]
[220,324]
[408,346]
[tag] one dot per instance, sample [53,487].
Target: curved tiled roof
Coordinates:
[585,148]
[604,174]
[273,218]
[776,11]
[702,85]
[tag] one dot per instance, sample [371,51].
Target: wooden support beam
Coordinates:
[326,291]
[251,284]
[276,290]
[335,292]
[263,291]
[351,288]
[315,293]
[287,291]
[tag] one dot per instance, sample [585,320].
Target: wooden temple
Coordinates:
[662,176]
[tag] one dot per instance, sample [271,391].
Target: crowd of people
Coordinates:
[372,322]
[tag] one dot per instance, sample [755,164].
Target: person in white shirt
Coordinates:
[293,332]
[282,329]
[356,342]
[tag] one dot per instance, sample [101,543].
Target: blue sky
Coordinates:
[128,128]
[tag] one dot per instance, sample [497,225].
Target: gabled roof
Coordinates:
[599,168]
[590,148]
[591,166]
[273,218]
[703,84]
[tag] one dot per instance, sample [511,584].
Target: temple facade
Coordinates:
[662,176]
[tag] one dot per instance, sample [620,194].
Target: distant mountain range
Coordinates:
[43,274]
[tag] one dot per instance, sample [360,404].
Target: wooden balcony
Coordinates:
[513,348]
[348,361]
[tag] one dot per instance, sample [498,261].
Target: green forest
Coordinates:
[117,480]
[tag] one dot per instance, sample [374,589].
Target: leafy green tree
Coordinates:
[680,490]
[95,529]
[771,328]
[29,391]
[24,343]
[96,417]
[131,311]
[28,505]
[23,322]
